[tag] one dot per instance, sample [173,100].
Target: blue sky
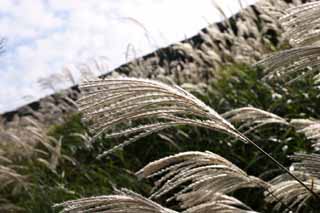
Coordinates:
[46,36]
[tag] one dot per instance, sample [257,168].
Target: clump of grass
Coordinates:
[206,173]
[158,106]
[62,164]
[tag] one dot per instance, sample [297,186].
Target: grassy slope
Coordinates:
[234,86]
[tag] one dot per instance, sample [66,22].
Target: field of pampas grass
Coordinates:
[247,139]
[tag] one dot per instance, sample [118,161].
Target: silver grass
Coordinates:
[116,102]
[251,118]
[4,159]
[53,154]
[220,203]
[113,103]
[310,128]
[291,194]
[205,173]
[270,10]
[291,65]
[10,177]
[124,201]
[21,139]
[25,144]
[6,206]
[10,140]
[308,163]
[129,202]
[301,24]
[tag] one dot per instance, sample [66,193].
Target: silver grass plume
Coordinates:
[291,65]
[291,194]
[270,10]
[220,203]
[123,201]
[130,202]
[118,101]
[112,103]
[307,163]
[205,173]
[310,128]
[251,118]
[301,24]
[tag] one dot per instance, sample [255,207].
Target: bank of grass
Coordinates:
[234,86]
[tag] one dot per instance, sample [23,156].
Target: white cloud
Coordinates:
[27,19]
[45,35]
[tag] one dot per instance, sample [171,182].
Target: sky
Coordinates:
[45,37]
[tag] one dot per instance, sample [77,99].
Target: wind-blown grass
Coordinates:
[127,201]
[311,129]
[206,174]
[123,201]
[291,65]
[294,22]
[251,118]
[291,194]
[119,111]
[110,102]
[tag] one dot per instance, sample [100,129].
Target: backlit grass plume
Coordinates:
[251,118]
[291,194]
[302,23]
[307,163]
[123,201]
[128,201]
[291,65]
[117,102]
[301,27]
[205,174]
[221,203]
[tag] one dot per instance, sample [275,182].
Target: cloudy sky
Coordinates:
[47,36]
